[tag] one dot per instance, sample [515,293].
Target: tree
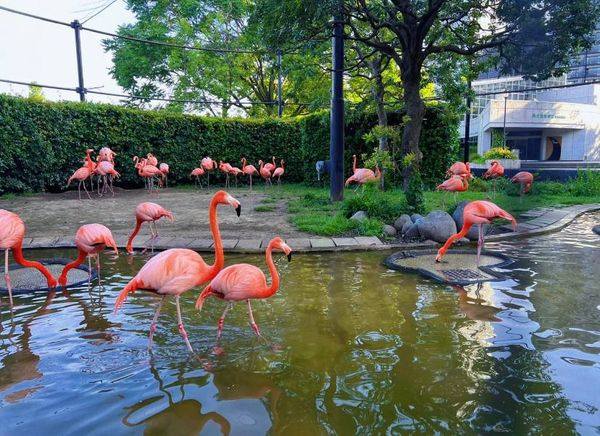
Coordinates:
[534,38]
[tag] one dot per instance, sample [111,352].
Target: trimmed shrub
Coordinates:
[499,153]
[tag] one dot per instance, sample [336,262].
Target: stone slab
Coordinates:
[44,242]
[322,243]
[229,244]
[298,243]
[248,244]
[201,244]
[345,242]
[368,240]
[180,242]
[65,242]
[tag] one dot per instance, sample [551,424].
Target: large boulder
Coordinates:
[389,230]
[457,215]
[596,229]
[401,221]
[412,232]
[361,215]
[437,226]
[415,216]
[406,226]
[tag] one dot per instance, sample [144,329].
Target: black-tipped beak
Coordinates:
[289,256]
[238,209]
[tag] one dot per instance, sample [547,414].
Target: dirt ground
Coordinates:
[61,214]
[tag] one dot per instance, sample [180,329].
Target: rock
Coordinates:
[361,215]
[457,216]
[401,221]
[406,226]
[437,225]
[389,230]
[596,229]
[415,216]
[412,232]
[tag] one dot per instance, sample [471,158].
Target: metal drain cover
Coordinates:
[458,267]
[31,280]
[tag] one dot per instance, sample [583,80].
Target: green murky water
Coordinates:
[361,350]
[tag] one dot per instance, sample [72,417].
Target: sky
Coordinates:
[37,51]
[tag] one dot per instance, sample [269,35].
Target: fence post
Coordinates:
[336,145]
[76,25]
[279,86]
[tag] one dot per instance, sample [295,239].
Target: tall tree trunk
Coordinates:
[415,110]
[378,91]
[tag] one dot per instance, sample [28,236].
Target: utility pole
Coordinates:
[467,126]
[279,86]
[76,25]
[336,144]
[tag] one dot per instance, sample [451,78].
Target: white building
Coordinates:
[561,124]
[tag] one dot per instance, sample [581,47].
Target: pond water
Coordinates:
[361,350]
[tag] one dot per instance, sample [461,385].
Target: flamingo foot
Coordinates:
[151,335]
[218,350]
[255,328]
[185,338]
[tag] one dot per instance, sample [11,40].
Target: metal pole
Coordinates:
[279,86]
[467,127]
[504,123]
[336,145]
[76,25]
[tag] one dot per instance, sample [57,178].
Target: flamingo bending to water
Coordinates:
[525,179]
[243,281]
[476,212]
[174,271]
[12,231]
[249,170]
[150,213]
[279,171]
[90,239]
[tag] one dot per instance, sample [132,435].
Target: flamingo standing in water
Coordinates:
[164,168]
[243,281]
[174,271]
[209,165]
[495,171]
[197,172]
[279,171]
[150,213]
[83,173]
[476,212]
[12,231]
[462,169]
[249,170]
[90,239]
[525,179]
[454,184]
[265,173]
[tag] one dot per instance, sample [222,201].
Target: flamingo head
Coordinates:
[278,244]
[222,197]
[89,151]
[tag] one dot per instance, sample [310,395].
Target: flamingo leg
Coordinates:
[89,269]
[85,189]
[252,323]
[7,278]
[222,320]
[181,327]
[111,186]
[207,179]
[250,182]
[479,243]
[98,266]
[154,320]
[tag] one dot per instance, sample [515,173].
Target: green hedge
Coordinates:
[42,143]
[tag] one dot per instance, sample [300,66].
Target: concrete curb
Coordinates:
[551,221]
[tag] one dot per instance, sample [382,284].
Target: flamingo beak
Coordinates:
[289,257]
[238,209]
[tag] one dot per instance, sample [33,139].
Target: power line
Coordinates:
[37,17]
[16,82]
[99,12]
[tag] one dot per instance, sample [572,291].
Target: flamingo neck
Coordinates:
[452,239]
[274,274]
[138,226]
[216,234]
[243,164]
[18,255]
[354,163]
[80,259]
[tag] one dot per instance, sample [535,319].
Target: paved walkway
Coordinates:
[540,221]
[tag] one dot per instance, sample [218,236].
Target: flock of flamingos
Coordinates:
[175,271]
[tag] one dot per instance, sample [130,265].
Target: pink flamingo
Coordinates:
[271,166]
[197,172]
[462,169]
[364,175]
[90,239]
[245,282]
[83,173]
[152,160]
[209,165]
[249,170]
[164,168]
[476,212]
[225,168]
[177,270]
[147,213]
[279,171]
[454,184]
[148,172]
[495,171]
[235,172]
[525,179]
[106,170]
[106,154]
[265,173]
[12,231]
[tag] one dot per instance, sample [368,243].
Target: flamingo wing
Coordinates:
[12,229]
[239,282]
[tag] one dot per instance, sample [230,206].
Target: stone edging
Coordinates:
[551,221]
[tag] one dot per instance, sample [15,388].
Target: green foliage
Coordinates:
[476,158]
[36,94]
[478,185]
[370,227]
[379,158]
[587,183]
[497,138]
[499,153]
[379,205]
[264,208]
[43,143]
[324,224]
[414,193]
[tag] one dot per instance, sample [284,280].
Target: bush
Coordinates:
[414,193]
[383,206]
[478,185]
[499,153]
[43,143]
[587,183]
